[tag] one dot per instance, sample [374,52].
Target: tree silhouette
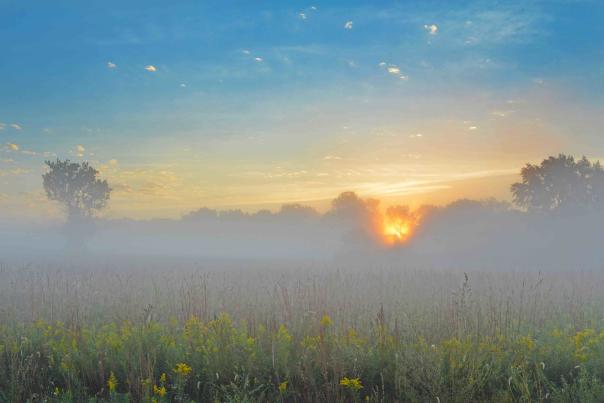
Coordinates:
[76,187]
[561,185]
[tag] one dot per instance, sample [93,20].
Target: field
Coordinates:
[169,330]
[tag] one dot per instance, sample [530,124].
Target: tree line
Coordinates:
[558,185]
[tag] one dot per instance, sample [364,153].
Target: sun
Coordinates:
[396,230]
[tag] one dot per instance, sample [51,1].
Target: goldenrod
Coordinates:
[112,382]
[183,369]
[351,383]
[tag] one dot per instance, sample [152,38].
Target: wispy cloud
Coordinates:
[151,68]
[431,28]
[80,150]
[111,65]
[348,25]
[13,172]
[306,13]
[512,23]
[502,114]
[394,70]
[163,184]
[14,126]
[12,147]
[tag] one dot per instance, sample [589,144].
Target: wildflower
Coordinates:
[351,383]
[284,335]
[528,342]
[583,337]
[162,378]
[283,386]
[57,391]
[112,382]
[326,321]
[160,391]
[183,369]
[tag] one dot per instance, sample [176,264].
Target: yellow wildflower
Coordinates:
[351,383]
[326,321]
[162,378]
[161,391]
[284,335]
[112,382]
[582,337]
[528,342]
[283,386]
[183,369]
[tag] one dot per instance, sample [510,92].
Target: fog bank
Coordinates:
[464,234]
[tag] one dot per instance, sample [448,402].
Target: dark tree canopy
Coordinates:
[562,185]
[76,187]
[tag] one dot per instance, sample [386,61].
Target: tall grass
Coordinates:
[292,332]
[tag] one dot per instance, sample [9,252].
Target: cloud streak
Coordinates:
[431,28]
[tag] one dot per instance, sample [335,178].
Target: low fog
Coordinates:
[555,222]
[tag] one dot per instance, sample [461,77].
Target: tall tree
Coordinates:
[76,187]
[560,184]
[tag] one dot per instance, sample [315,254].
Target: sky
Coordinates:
[245,104]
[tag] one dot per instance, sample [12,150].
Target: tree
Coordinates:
[561,185]
[359,218]
[76,187]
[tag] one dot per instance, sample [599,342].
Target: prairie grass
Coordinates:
[232,332]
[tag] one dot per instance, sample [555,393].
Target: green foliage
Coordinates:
[76,187]
[561,184]
[220,360]
[323,337]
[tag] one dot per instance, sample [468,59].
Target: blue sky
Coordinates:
[256,103]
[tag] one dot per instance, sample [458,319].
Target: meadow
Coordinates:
[217,331]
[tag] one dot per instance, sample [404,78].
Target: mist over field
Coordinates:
[291,202]
[466,233]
